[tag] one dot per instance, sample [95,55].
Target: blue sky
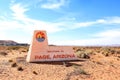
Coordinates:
[67,22]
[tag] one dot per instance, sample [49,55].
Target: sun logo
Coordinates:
[40,36]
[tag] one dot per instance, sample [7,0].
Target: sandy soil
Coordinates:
[98,67]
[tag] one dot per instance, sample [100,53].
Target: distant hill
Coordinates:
[11,43]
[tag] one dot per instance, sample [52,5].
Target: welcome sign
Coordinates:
[39,50]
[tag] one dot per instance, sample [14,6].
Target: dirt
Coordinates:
[97,67]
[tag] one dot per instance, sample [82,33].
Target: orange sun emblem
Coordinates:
[40,36]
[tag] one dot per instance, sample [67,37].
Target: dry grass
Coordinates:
[22,48]
[82,53]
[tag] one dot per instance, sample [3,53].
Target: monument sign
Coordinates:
[39,50]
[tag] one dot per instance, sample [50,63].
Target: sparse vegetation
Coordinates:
[22,48]
[118,56]
[10,60]
[14,64]
[77,71]
[83,54]
[82,71]
[34,72]
[20,68]
[3,53]
[118,52]
[13,47]
[107,51]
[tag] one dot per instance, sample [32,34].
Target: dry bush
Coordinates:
[13,47]
[3,47]
[20,68]
[118,56]
[107,51]
[77,71]
[14,64]
[10,60]
[24,48]
[82,71]
[118,52]
[3,53]
[34,72]
[83,53]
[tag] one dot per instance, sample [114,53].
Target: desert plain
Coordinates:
[95,63]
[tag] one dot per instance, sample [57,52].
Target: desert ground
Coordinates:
[95,63]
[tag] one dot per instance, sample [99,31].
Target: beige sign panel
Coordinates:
[39,50]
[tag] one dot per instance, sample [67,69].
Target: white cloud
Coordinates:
[84,24]
[108,37]
[109,20]
[101,21]
[53,4]
[115,33]
[19,11]
[104,21]
[32,24]
[87,42]
[114,20]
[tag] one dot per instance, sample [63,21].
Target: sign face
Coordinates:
[39,50]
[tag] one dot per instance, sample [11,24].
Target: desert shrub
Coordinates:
[74,48]
[10,60]
[118,52]
[78,53]
[82,54]
[89,51]
[118,56]
[85,56]
[14,64]
[3,53]
[78,50]
[82,71]
[20,68]
[13,47]
[77,71]
[24,48]
[107,51]
[34,72]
